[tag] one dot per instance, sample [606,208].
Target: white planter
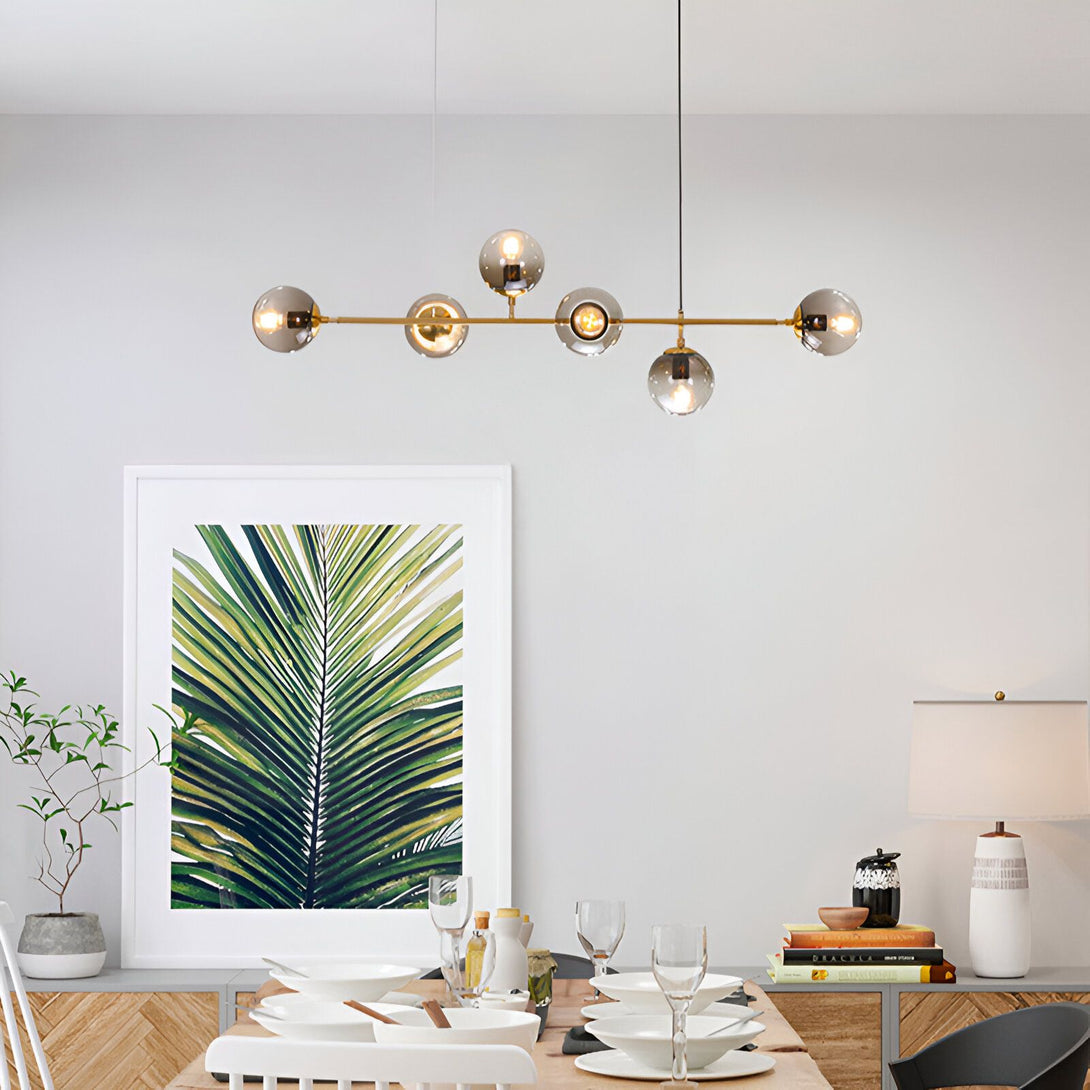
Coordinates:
[53,946]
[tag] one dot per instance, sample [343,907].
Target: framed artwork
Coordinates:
[332,645]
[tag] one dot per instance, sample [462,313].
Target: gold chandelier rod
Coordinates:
[322,319]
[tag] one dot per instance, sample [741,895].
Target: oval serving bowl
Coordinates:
[468,1026]
[340,980]
[301,1018]
[640,991]
[646,1038]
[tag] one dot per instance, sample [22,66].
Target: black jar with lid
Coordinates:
[877,886]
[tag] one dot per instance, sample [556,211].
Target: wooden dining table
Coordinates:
[794,1069]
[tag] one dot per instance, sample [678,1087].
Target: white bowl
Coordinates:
[646,1038]
[469,1026]
[726,1011]
[641,992]
[305,1019]
[502,1001]
[339,980]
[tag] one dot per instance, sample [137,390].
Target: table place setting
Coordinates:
[676,1023]
[660,1043]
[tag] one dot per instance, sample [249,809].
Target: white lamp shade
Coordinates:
[1009,760]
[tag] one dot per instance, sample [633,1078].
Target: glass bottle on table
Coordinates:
[475,950]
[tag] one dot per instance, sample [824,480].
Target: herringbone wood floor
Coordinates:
[121,1040]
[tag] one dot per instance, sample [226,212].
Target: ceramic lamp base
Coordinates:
[999,920]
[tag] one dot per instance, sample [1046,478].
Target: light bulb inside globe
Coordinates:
[269,321]
[589,321]
[682,399]
[828,322]
[438,333]
[680,381]
[286,319]
[511,262]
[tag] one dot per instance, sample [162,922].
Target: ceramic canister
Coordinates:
[877,886]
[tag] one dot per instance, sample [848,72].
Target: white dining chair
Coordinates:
[9,968]
[355,1061]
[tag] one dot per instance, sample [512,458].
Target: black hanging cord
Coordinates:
[680,264]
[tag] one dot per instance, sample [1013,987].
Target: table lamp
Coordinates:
[999,760]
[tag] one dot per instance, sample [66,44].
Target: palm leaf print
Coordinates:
[315,668]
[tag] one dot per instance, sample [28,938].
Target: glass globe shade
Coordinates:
[285,319]
[441,336]
[511,262]
[680,381]
[828,321]
[588,321]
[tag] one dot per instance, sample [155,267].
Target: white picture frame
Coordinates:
[163,506]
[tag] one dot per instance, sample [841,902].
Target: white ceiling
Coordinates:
[552,56]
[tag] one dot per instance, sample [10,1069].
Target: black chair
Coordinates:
[1034,1048]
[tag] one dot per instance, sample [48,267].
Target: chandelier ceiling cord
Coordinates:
[588,321]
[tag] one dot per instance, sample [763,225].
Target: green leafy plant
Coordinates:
[316,767]
[70,754]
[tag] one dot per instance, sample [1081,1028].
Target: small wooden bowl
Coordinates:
[843,919]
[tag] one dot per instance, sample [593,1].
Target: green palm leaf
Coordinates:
[318,767]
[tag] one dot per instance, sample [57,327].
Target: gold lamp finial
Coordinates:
[1000,695]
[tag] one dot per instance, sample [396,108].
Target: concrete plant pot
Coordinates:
[61,946]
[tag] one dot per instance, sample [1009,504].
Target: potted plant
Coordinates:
[69,755]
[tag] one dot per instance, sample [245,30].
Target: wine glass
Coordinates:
[450,900]
[600,926]
[679,960]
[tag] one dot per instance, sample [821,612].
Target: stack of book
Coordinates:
[906,954]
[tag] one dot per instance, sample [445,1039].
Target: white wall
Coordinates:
[720,623]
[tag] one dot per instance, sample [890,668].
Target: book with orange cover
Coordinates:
[810,936]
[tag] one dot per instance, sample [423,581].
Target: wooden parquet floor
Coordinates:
[121,1040]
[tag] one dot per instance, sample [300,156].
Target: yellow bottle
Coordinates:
[475,949]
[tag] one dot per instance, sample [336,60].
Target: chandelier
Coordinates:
[588,321]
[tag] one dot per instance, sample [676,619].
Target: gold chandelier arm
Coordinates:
[323,319]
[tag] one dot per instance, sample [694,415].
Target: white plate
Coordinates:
[304,1019]
[468,1026]
[364,982]
[618,1010]
[646,1037]
[401,999]
[734,1065]
[642,990]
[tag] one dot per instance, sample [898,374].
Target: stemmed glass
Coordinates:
[600,927]
[450,901]
[679,960]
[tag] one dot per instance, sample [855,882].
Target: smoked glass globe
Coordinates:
[285,319]
[828,321]
[680,381]
[441,335]
[511,262]
[588,321]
